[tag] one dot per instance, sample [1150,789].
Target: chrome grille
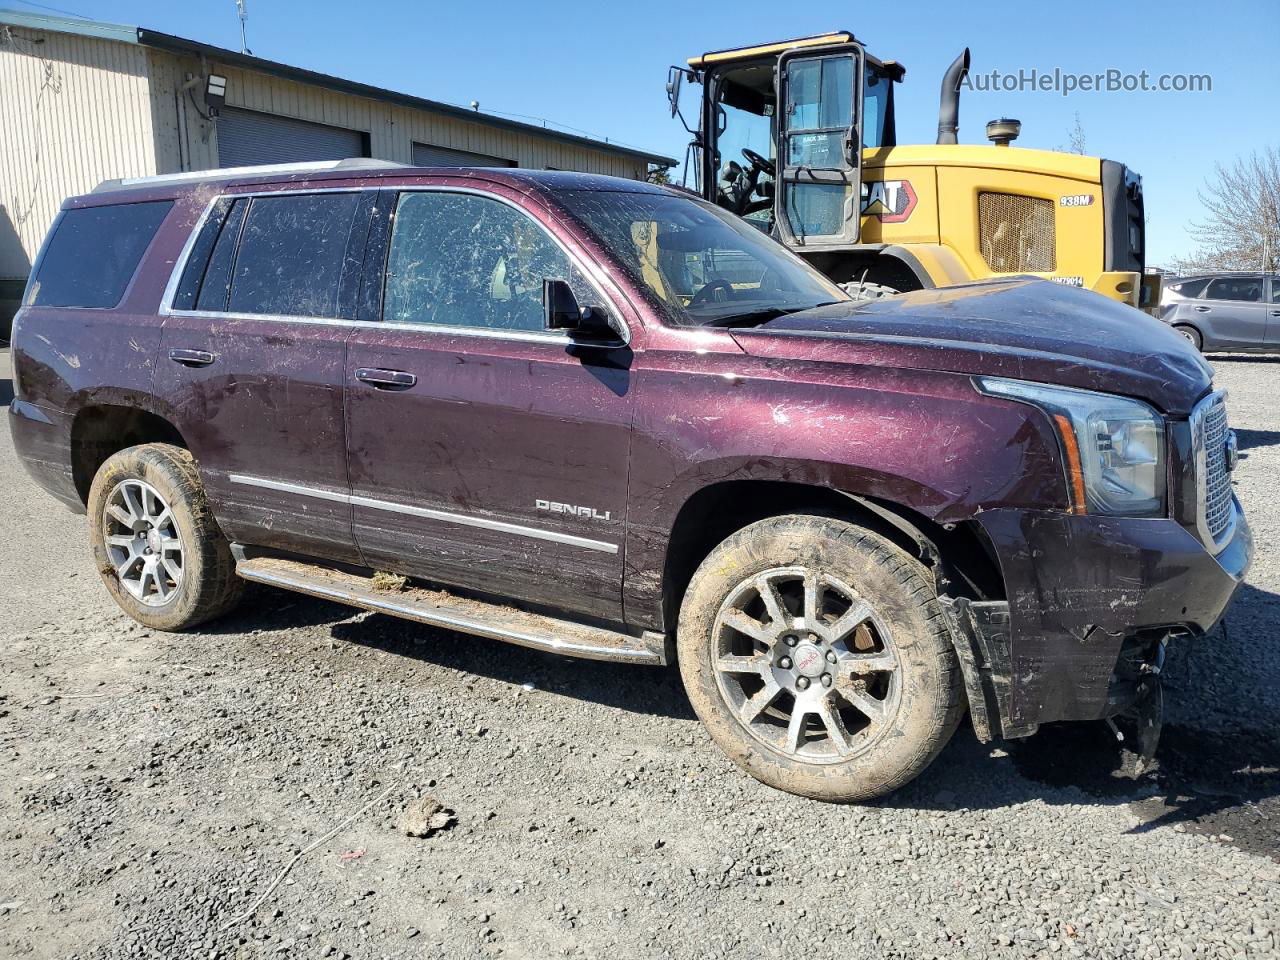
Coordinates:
[1210,430]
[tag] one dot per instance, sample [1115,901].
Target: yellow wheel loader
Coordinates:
[799,138]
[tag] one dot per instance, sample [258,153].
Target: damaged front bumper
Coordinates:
[1090,603]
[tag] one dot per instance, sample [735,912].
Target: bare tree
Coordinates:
[658,174]
[1075,138]
[1241,225]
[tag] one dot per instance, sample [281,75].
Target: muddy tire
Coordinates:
[816,654]
[155,542]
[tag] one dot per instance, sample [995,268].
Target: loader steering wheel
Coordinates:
[718,290]
[759,162]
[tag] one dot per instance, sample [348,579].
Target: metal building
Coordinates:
[83,101]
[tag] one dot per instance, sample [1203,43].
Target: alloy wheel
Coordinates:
[143,542]
[806,665]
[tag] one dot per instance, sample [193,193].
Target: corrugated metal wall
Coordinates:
[247,138]
[77,110]
[392,129]
[73,111]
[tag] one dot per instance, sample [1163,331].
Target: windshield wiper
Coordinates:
[751,318]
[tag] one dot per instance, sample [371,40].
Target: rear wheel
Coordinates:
[816,654]
[1190,334]
[157,546]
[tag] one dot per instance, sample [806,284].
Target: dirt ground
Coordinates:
[153,786]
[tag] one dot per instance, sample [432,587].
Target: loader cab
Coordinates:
[781,132]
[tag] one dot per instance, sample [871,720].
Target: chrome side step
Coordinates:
[440,609]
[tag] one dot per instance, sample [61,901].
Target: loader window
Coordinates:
[745,104]
[877,99]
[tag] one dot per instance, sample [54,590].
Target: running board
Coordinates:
[440,609]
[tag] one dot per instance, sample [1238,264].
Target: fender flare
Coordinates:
[932,264]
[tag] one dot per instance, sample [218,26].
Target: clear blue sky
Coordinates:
[600,66]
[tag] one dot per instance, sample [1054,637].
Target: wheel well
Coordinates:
[100,431]
[871,267]
[960,558]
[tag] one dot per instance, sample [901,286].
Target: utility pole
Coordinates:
[244,15]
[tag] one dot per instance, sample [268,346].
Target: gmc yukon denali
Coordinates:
[605,419]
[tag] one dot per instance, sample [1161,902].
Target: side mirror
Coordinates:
[560,306]
[675,77]
[561,311]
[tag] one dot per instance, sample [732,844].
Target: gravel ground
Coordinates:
[152,786]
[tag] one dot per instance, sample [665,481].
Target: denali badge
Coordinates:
[591,513]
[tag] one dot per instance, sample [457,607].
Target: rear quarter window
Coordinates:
[94,253]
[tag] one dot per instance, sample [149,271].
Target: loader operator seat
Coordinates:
[741,191]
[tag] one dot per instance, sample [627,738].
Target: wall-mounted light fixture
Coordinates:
[215,93]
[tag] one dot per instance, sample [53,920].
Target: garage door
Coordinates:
[246,137]
[425,155]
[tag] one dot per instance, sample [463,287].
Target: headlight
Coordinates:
[1114,446]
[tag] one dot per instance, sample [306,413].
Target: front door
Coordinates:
[486,452]
[820,158]
[1233,313]
[1273,312]
[252,364]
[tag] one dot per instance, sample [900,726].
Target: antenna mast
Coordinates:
[244,15]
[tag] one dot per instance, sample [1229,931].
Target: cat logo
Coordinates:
[889,201]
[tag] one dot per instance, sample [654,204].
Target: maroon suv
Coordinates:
[609,420]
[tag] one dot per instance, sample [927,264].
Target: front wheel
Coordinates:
[157,546]
[1189,334]
[815,653]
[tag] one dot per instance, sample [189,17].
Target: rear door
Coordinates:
[486,452]
[1234,316]
[819,156]
[252,363]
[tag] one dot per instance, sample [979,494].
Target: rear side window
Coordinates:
[1248,289]
[94,253]
[291,253]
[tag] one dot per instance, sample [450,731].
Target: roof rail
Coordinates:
[225,173]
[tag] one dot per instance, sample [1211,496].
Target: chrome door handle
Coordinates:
[1202,309]
[1275,313]
[191,358]
[385,379]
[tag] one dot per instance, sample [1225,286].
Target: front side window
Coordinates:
[291,253]
[94,253]
[700,264]
[1247,289]
[463,260]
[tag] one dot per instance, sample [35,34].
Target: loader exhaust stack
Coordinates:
[949,107]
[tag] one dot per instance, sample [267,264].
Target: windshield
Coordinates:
[702,266]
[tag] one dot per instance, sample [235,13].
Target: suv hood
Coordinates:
[1025,328]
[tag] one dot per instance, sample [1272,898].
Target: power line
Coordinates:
[45,6]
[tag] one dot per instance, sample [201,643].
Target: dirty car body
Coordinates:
[584,476]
